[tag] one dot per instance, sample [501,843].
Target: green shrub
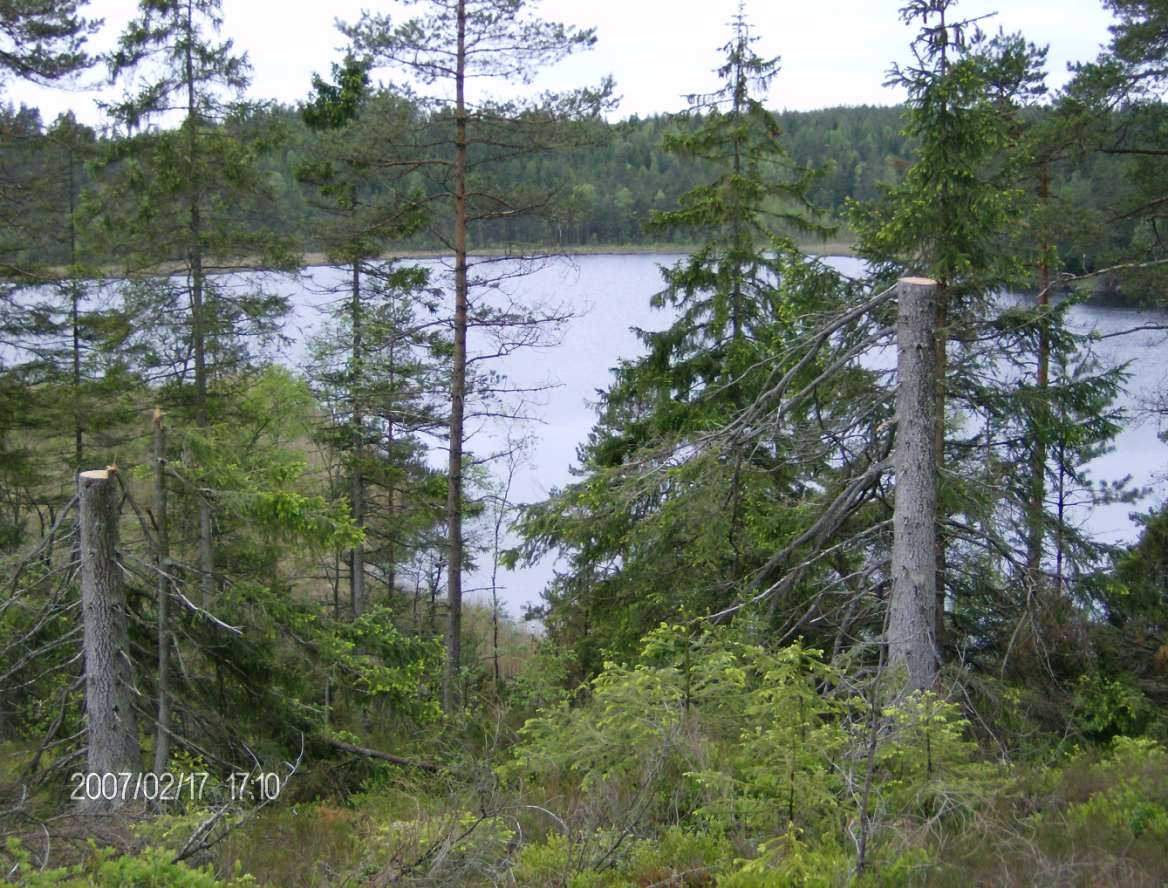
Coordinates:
[1133,809]
[677,857]
[1106,708]
[152,868]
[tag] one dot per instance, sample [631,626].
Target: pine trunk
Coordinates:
[162,560]
[457,384]
[198,308]
[357,481]
[1036,519]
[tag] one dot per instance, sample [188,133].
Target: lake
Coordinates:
[609,295]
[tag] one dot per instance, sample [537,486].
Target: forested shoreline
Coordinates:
[824,609]
[607,188]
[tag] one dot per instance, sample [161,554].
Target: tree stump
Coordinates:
[111,725]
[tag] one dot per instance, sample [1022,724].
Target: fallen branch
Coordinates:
[203,840]
[383,756]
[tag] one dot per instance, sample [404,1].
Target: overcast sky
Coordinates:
[834,53]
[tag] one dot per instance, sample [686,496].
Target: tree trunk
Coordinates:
[1036,517]
[162,561]
[75,292]
[357,491]
[111,726]
[940,301]
[457,384]
[395,495]
[911,622]
[198,308]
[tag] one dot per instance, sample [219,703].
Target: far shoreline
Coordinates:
[814,248]
[315,259]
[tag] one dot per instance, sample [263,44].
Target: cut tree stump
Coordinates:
[911,623]
[110,724]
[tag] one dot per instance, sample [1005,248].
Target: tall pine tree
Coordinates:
[463,47]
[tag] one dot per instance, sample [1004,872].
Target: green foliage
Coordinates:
[710,731]
[332,105]
[947,218]
[105,868]
[677,857]
[782,773]
[384,663]
[1102,816]
[686,474]
[45,41]
[543,682]
[789,861]
[1109,707]
[291,652]
[1113,115]
[1132,807]
[927,767]
[1136,596]
[635,722]
[255,470]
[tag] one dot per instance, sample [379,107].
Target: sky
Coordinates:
[837,53]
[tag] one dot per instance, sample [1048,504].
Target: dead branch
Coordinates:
[429,767]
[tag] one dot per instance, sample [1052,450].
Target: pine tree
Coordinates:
[79,354]
[42,41]
[462,44]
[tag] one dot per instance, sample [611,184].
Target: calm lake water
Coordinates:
[609,295]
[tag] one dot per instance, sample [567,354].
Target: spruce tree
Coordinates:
[954,218]
[1115,114]
[373,367]
[185,188]
[698,489]
[44,40]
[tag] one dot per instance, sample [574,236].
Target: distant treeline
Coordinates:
[608,190]
[604,192]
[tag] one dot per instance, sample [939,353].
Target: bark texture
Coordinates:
[1036,517]
[162,729]
[457,383]
[911,620]
[357,481]
[111,727]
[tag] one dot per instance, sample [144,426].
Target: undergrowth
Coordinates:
[706,760]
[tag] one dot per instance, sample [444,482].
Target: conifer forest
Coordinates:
[823,595]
